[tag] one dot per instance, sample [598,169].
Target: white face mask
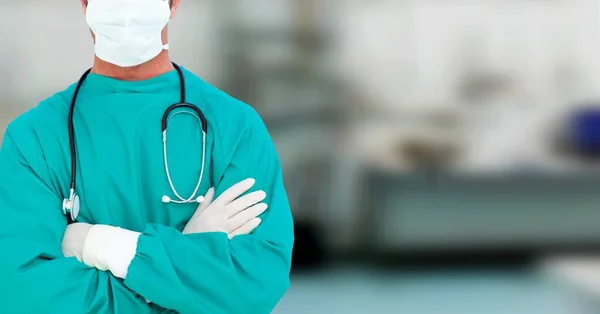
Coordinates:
[128,32]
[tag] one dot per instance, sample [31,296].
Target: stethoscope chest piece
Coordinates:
[71,206]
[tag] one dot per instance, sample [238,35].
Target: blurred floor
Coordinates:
[354,291]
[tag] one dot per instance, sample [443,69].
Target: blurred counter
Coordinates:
[450,211]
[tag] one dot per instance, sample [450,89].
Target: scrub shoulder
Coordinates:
[40,136]
[42,125]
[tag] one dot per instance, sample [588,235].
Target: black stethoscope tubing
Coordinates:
[164,123]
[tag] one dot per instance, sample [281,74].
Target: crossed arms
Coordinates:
[186,273]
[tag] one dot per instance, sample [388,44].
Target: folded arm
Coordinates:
[207,272]
[35,276]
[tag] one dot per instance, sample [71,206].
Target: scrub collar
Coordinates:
[99,84]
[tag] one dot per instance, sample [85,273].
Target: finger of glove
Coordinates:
[247,228]
[245,202]
[245,216]
[208,198]
[234,192]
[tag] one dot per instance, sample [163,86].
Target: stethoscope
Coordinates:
[71,205]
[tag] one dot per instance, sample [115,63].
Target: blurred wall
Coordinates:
[402,53]
[407,51]
[49,46]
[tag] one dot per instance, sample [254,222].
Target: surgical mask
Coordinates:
[128,32]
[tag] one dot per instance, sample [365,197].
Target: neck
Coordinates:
[161,64]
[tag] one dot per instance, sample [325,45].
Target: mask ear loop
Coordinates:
[182,200]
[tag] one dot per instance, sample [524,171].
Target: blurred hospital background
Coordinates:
[440,156]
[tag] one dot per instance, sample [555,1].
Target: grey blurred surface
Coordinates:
[364,291]
[441,211]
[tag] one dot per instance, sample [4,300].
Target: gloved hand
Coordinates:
[229,213]
[100,246]
[74,240]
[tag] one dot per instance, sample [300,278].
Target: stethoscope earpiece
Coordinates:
[166,200]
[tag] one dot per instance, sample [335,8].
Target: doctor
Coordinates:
[157,228]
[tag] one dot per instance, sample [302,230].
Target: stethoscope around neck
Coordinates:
[71,205]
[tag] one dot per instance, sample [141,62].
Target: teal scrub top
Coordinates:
[121,180]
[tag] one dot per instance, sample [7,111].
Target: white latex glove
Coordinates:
[74,240]
[229,213]
[100,246]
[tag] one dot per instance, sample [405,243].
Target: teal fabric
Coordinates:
[121,180]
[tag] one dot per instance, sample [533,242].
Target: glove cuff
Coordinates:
[95,247]
[110,248]
[122,248]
